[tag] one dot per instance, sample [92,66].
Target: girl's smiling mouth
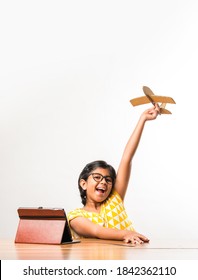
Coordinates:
[101,189]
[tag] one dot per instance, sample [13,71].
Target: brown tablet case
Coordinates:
[43,225]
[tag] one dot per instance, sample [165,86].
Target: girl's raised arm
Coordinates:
[124,169]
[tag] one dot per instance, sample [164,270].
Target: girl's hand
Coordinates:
[134,237]
[152,113]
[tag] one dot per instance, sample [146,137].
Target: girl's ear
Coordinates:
[83,184]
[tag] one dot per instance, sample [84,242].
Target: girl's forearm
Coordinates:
[133,141]
[121,235]
[110,233]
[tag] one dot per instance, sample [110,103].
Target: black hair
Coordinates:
[88,170]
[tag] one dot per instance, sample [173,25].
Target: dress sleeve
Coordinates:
[74,214]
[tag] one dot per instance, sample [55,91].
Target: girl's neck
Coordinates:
[92,207]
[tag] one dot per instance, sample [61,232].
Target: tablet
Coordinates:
[44,226]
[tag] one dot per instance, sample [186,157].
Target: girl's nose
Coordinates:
[103,181]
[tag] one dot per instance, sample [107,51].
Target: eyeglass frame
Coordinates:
[102,177]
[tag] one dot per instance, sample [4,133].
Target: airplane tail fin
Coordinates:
[163,110]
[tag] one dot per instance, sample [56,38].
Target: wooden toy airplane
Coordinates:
[151,97]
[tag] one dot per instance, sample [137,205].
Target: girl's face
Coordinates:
[98,185]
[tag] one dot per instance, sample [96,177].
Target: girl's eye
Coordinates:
[108,180]
[97,177]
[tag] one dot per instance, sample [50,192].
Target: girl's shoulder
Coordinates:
[114,198]
[115,195]
[80,212]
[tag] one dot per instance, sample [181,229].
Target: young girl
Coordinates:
[102,192]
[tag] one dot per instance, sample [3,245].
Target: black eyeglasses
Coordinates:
[99,177]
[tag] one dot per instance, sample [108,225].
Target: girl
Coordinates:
[102,192]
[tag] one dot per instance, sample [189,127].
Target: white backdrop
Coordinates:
[67,72]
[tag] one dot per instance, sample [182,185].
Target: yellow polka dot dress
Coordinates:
[112,214]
